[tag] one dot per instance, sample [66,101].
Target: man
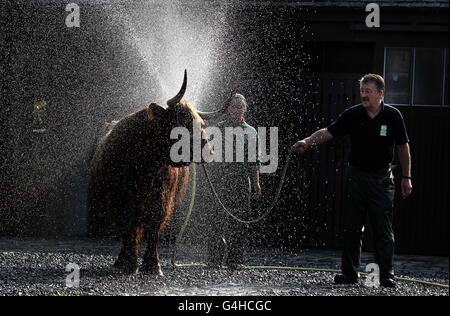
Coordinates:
[374,128]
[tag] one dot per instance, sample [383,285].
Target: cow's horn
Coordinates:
[211,115]
[180,93]
[215,114]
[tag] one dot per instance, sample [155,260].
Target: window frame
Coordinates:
[444,51]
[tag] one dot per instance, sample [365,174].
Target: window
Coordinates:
[416,76]
[397,75]
[446,83]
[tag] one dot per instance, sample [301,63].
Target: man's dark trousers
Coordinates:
[369,194]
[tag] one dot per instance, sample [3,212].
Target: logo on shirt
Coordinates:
[383,130]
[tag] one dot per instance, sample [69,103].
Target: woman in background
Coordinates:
[234,182]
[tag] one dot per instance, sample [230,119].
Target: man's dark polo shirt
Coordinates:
[372,139]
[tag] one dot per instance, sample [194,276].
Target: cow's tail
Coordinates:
[169,188]
[183,185]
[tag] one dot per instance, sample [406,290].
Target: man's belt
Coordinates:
[380,173]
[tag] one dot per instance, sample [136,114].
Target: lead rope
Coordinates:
[268,210]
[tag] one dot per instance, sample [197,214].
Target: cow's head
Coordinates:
[180,114]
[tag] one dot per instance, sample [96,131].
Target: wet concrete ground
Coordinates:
[38,267]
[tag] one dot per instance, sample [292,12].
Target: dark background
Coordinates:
[297,64]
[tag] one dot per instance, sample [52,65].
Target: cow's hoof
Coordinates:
[126,268]
[151,270]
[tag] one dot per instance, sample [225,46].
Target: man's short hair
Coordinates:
[376,79]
